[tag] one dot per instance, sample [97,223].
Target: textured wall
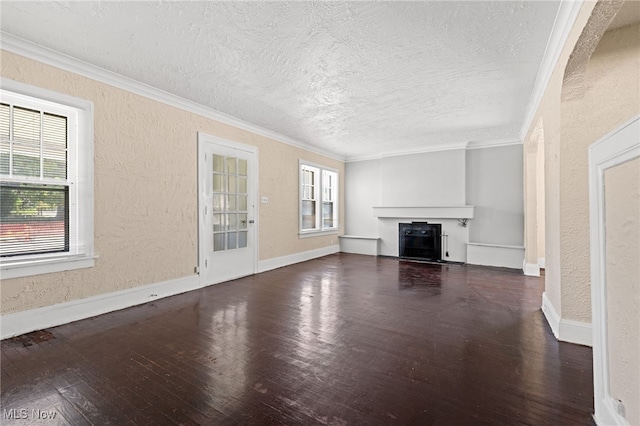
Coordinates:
[494,186]
[610,96]
[146,191]
[549,111]
[622,203]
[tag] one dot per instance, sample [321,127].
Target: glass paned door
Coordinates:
[226,210]
[230,205]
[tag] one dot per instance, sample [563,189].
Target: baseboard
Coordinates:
[30,320]
[531,269]
[63,313]
[565,330]
[550,313]
[606,413]
[290,259]
[541,262]
[577,332]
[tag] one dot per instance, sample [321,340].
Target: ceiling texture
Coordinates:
[356,79]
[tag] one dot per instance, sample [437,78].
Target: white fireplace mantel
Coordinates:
[431,212]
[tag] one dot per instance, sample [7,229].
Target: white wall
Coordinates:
[426,179]
[494,186]
[362,192]
[445,178]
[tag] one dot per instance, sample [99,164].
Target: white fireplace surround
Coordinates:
[458,245]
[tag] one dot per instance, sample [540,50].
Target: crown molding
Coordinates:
[437,148]
[434,148]
[565,18]
[493,144]
[13,44]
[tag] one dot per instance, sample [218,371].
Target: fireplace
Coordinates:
[420,240]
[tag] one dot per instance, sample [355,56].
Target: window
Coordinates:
[318,199]
[46,181]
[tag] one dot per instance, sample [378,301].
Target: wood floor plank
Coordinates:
[344,339]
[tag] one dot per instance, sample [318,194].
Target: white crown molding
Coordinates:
[438,148]
[493,144]
[565,18]
[13,44]
[433,148]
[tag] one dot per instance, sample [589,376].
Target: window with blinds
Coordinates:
[35,178]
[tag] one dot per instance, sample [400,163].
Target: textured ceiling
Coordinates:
[357,79]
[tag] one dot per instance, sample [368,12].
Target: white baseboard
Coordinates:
[63,313]
[531,269]
[566,330]
[541,262]
[577,332]
[608,415]
[30,320]
[550,313]
[506,256]
[290,259]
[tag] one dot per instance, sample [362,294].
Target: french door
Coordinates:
[226,209]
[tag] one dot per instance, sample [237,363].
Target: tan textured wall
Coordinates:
[549,112]
[622,213]
[146,191]
[540,195]
[610,96]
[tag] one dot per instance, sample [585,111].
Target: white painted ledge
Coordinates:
[431,212]
[359,244]
[505,256]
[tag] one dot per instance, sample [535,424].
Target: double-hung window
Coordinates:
[318,199]
[46,181]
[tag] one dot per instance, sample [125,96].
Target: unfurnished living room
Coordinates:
[320,212]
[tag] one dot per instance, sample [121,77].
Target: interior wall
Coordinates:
[549,112]
[611,79]
[425,179]
[622,251]
[363,181]
[146,191]
[416,180]
[540,195]
[494,182]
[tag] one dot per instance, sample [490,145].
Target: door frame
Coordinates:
[617,147]
[206,139]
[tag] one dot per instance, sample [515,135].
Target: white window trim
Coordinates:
[307,233]
[83,255]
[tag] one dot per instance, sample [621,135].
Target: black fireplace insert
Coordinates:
[420,240]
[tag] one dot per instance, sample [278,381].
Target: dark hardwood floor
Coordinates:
[345,339]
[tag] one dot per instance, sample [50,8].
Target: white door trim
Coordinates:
[619,146]
[203,139]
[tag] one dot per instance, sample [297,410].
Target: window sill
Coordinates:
[29,267]
[309,234]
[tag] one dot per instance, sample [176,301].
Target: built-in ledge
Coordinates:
[359,244]
[503,255]
[431,212]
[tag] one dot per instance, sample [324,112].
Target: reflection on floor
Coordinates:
[345,339]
